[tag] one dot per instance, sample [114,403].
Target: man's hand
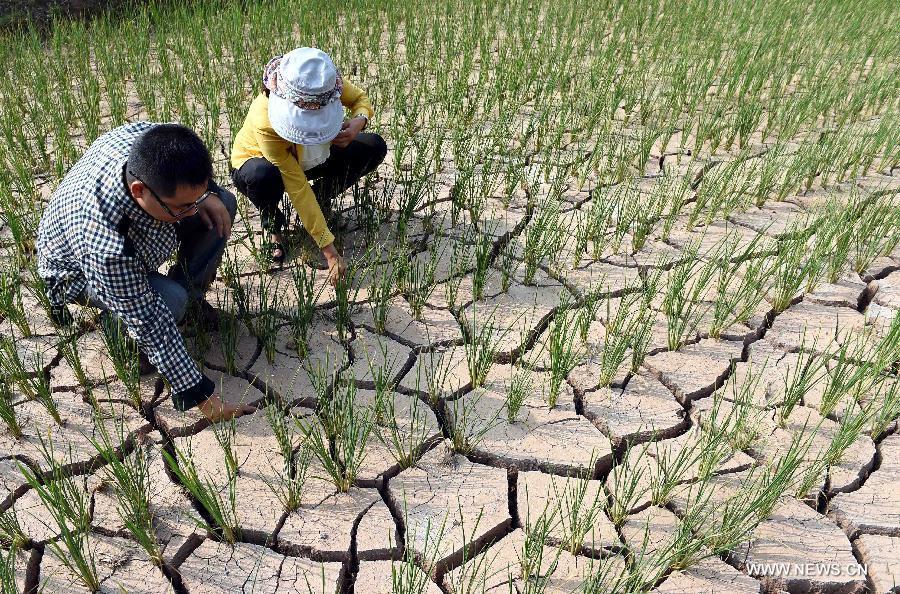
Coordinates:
[215,410]
[337,268]
[349,130]
[214,214]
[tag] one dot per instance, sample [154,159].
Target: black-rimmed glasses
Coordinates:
[191,208]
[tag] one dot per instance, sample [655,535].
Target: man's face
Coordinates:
[168,209]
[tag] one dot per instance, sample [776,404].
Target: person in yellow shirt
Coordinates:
[295,132]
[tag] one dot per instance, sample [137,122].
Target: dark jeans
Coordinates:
[199,254]
[260,181]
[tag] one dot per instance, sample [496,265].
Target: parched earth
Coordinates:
[460,518]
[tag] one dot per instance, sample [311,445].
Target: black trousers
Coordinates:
[260,180]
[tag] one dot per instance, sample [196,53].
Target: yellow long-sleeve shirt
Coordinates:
[257,138]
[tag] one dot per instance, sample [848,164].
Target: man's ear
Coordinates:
[137,189]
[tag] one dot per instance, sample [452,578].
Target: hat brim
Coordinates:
[305,126]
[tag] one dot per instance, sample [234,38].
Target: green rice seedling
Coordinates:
[265,323]
[222,511]
[21,221]
[305,295]
[587,313]
[754,501]
[403,443]
[228,330]
[382,376]
[849,430]
[11,533]
[380,294]
[735,304]
[68,346]
[605,575]
[800,379]
[406,575]
[677,190]
[582,237]
[472,575]
[714,448]
[578,513]
[282,430]
[345,294]
[672,468]
[685,285]
[767,172]
[482,343]
[877,232]
[647,215]
[11,307]
[598,220]
[719,192]
[459,264]
[13,367]
[619,335]
[642,329]
[469,426]
[628,201]
[885,408]
[8,412]
[536,569]
[790,270]
[483,248]
[508,265]
[517,391]
[743,425]
[628,486]
[35,385]
[420,283]
[8,569]
[437,375]
[131,476]
[37,287]
[341,447]
[225,432]
[732,521]
[292,474]
[124,355]
[565,352]
[854,372]
[543,237]
[887,353]
[835,231]
[685,549]
[68,504]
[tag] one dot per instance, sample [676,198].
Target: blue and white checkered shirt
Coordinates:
[93,235]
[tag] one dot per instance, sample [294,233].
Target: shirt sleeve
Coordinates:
[356,100]
[275,150]
[120,282]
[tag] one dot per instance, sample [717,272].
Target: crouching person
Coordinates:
[138,193]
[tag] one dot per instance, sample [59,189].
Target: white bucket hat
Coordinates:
[304,96]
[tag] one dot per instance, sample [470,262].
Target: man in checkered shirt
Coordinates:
[139,192]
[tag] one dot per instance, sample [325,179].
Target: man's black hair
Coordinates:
[169,155]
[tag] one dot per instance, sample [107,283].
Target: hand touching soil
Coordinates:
[215,410]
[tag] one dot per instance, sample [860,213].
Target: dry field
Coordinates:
[622,313]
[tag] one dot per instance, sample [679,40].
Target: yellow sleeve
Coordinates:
[275,150]
[356,100]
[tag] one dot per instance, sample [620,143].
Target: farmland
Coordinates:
[621,312]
